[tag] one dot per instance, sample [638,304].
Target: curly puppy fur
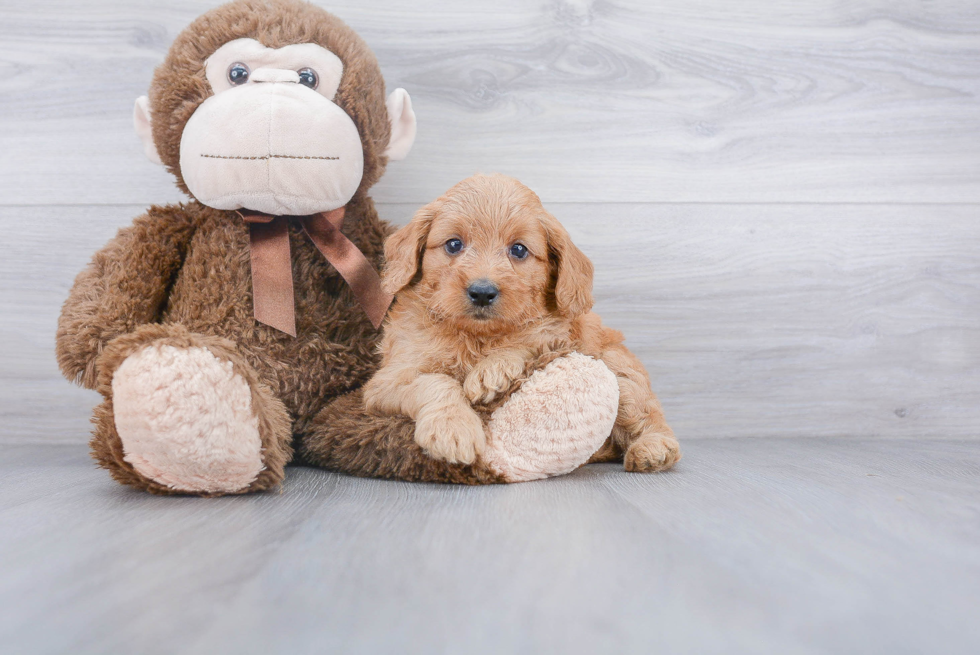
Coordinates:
[444,350]
[184,269]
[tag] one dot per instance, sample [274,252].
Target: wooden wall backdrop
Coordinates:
[782,199]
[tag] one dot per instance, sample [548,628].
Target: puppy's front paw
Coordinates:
[455,435]
[492,377]
[652,452]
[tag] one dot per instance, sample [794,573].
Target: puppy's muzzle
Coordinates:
[482,293]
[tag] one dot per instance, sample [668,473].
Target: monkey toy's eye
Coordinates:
[518,251]
[238,73]
[453,246]
[308,77]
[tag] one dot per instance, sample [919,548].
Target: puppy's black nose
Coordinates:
[482,293]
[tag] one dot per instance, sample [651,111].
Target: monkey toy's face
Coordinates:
[270,136]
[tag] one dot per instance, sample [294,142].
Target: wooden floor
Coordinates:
[749,546]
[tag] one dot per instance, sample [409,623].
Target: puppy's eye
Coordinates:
[518,251]
[238,73]
[308,77]
[453,246]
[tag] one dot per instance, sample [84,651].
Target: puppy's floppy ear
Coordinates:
[404,248]
[573,270]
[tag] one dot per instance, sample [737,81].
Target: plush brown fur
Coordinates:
[442,353]
[180,274]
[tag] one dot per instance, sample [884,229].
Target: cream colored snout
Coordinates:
[271,145]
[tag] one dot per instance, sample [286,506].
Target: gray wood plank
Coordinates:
[753,320]
[750,545]
[867,101]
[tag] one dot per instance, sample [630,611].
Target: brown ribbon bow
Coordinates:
[272,274]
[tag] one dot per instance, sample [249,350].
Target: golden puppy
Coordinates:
[486,281]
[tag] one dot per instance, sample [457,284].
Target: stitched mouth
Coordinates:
[267,157]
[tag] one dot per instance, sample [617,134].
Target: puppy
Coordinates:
[487,280]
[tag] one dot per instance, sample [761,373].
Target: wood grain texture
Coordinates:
[621,100]
[749,546]
[753,320]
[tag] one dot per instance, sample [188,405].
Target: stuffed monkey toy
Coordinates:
[231,331]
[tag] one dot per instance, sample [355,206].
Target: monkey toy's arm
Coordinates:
[124,286]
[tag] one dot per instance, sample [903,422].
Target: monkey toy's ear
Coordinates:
[402,120]
[144,129]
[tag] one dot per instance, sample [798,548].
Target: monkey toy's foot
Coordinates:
[185,418]
[555,421]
